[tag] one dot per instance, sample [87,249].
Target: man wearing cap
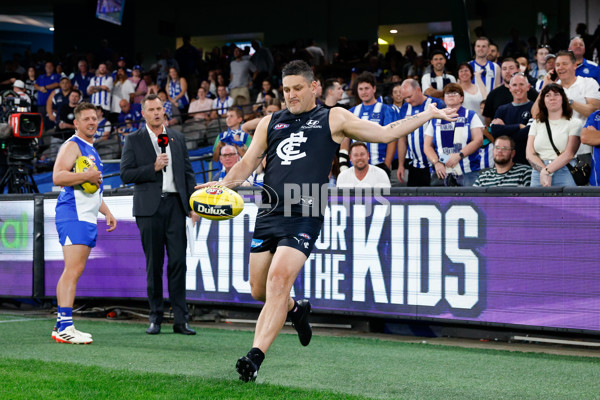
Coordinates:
[81,80]
[24,99]
[433,82]
[585,68]
[121,64]
[549,62]
[58,96]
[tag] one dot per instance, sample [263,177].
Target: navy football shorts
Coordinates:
[272,231]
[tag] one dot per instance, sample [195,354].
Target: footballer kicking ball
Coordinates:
[216,203]
[82,164]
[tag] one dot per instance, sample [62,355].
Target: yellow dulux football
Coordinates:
[82,164]
[216,203]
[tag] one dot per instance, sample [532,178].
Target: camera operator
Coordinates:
[24,99]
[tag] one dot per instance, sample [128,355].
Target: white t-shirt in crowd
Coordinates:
[376,177]
[561,130]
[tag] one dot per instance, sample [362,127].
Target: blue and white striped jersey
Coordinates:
[416,139]
[381,114]
[452,137]
[102,98]
[489,76]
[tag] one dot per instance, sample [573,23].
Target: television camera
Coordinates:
[19,134]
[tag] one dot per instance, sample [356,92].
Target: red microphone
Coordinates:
[163,142]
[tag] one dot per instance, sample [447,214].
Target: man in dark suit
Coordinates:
[164,182]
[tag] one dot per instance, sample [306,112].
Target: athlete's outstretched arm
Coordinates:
[344,123]
[251,160]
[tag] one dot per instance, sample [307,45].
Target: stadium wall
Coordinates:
[503,257]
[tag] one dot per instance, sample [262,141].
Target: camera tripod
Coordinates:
[19,178]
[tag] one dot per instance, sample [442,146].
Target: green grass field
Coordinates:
[125,363]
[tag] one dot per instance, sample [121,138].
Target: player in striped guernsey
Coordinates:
[491,76]
[371,109]
[415,102]
[505,171]
[100,88]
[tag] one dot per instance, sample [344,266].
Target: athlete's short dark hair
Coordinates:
[298,67]
[366,77]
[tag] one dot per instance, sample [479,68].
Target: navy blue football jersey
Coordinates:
[299,156]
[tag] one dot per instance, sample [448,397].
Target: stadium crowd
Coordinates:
[217,97]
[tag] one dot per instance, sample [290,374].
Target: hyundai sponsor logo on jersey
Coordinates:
[281,126]
[311,124]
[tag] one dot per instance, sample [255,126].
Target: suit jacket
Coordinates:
[137,166]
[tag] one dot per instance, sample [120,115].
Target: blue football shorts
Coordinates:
[77,232]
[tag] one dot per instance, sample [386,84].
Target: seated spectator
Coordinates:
[513,119]
[66,116]
[549,168]
[139,85]
[177,90]
[228,157]
[453,147]
[505,172]
[266,88]
[537,69]
[201,106]
[361,174]
[273,106]
[127,128]
[233,135]
[221,104]
[173,116]
[57,98]
[131,112]
[590,135]
[209,94]
[243,103]
[104,126]
[433,82]
[550,61]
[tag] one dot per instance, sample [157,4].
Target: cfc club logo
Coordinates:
[281,126]
[288,149]
[214,191]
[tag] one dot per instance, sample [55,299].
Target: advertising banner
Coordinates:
[506,260]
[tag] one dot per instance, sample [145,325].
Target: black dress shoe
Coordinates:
[153,329]
[184,329]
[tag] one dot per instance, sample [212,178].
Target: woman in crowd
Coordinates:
[200,107]
[476,92]
[549,168]
[453,147]
[139,85]
[177,90]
